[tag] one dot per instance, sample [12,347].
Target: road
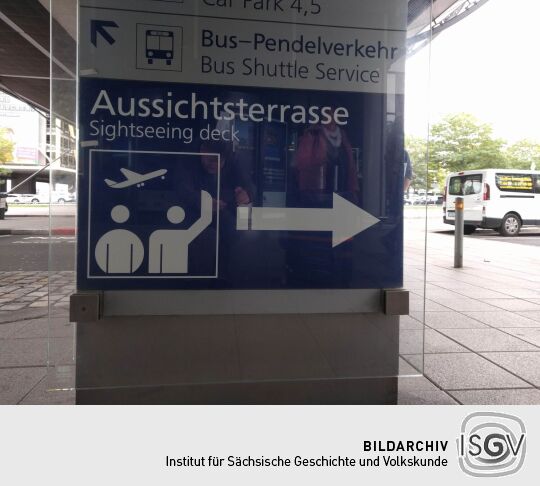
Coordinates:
[31,253]
[415,220]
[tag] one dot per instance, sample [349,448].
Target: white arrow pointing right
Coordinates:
[344,220]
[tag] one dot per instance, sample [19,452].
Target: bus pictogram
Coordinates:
[159,45]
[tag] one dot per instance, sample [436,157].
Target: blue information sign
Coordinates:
[241,184]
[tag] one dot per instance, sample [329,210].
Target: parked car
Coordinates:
[62,197]
[15,198]
[499,199]
[54,198]
[435,198]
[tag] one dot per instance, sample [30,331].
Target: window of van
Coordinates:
[466,185]
[514,182]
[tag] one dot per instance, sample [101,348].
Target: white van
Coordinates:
[499,199]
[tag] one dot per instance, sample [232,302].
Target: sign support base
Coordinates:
[285,358]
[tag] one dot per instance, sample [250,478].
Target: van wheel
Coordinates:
[469,229]
[510,226]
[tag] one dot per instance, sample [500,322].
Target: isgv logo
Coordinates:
[491,444]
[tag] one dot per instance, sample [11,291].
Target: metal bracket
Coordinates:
[396,302]
[85,306]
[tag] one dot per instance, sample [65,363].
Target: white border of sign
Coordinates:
[89,226]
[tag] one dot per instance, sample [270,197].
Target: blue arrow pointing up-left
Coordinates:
[100,27]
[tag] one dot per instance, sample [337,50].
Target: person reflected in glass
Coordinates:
[234,187]
[325,162]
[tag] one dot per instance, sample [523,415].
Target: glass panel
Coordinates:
[62,155]
[422,196]
[214,187]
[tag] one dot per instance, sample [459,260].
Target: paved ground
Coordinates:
[481,339]
[482,322]
[33,253]
[21,290]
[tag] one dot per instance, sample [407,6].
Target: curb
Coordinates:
[12,216]
[39,232]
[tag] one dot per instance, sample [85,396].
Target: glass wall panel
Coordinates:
[239,181]
[62,155]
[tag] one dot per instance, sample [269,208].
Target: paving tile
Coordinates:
[436,342]
[15,383]
[439,294]
[479,293]
[23,352]
[530,396]
[9,328]
[43,395]
[488,340]
[417,305]
[521,293]
[417,383]
[12,307]
[449,320]
[534,315]
[525,365]
[467,305]
[417,285]
[62,351]
[502,319]
[43,328]
[512,304]
[461,371]
[420,391]
[411,341]
[26,299]
[22,314]
[415,360]
[408,322]
[415,341]
[406,369]
[529,335]
[443,282]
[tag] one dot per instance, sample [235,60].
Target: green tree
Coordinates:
[425,175]
[461,142]
[6,147]
[6,155]
[524,154]
[417,149]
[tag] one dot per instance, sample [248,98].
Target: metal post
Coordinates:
[459,232]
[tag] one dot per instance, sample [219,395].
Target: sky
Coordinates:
[487,65]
